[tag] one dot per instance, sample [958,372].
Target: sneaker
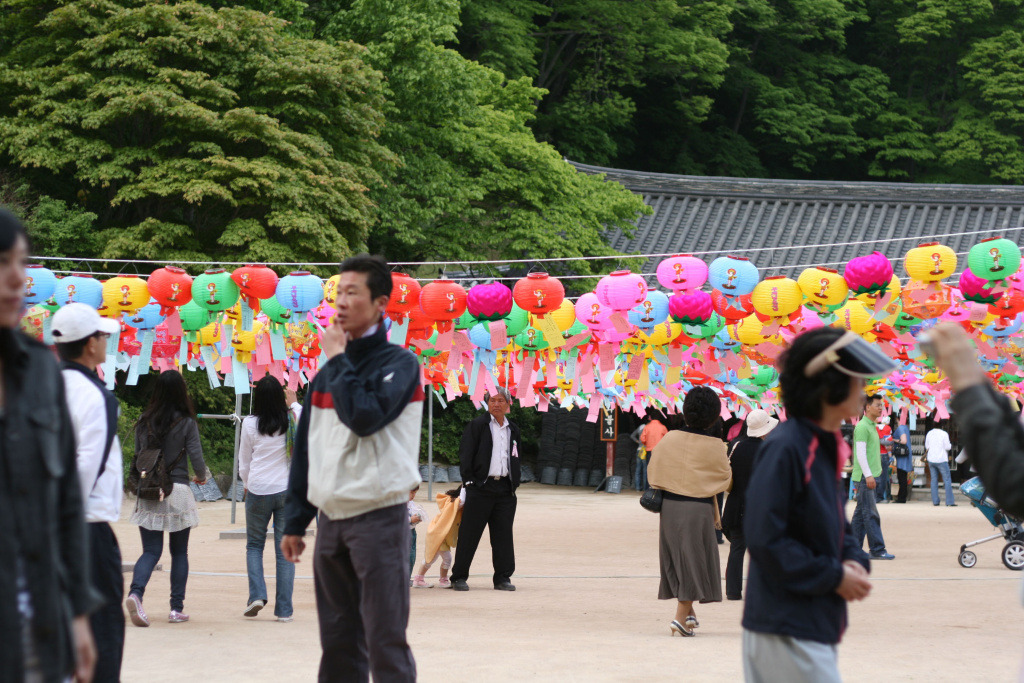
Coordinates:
[443,582]
[883,556]
[135,611]
[460,585]
[285,620]
[176,617]
[420,582]
[254,607]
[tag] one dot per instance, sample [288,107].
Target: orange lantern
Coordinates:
[405,297]
[443,301]
[731,308]
[171,288]
[537,293]
[923,300]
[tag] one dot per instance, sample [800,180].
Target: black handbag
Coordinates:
[900,450]
[651,500]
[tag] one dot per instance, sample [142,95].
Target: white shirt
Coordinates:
[88,410]
[500,435]
[263,460]
[936,444]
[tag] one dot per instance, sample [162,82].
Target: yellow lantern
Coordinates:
[748,332]
[331,289]
[564,316]
[244,342]
[776,297]
[823,287]
[894,288]
[660,334]
[930,262]
[209,335]
[853,316]
[124,294]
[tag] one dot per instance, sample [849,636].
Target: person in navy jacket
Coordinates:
[805,565]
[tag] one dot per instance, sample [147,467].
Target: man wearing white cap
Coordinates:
[80,335]
[742,455]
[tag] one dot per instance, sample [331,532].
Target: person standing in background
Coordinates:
[653,433]
[937,447]
[903,451]
[867,468]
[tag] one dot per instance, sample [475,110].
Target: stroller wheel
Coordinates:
[967,559]
[1013,555]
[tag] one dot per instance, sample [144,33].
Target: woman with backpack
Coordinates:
[264,459]
[168,430]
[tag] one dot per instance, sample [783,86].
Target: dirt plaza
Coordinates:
[586,607]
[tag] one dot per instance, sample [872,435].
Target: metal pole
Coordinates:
[234,456]
[430,443]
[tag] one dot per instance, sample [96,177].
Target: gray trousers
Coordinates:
[361,572]
[770,658]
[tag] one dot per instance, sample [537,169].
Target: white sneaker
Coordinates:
[176,617]
[285,620]
[254,607]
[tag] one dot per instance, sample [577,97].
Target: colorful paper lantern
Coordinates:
[443,301]
[147,317]
[691,309]
[853,316]
[591,312]
[531,339]
[79,288]
[490,301]
[330,288]
[823,288]
[275,312]
[980,290]
[193,317]
[214,291]
[709,328]
[930,262]
[516,321]
[1010,305]
[124,294]
[405,296]
[776,297]
[537,293]
[564,316]
[170,287]
[926,300]
[731,308]
[40,283]
[868,274]
[255,281]
[300,291]
[465,321]
[621,290]
[994,258]
[682,273]
[653,311]
[733,275]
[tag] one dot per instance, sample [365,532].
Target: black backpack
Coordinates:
[150,476]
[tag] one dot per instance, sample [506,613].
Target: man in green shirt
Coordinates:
[867,465]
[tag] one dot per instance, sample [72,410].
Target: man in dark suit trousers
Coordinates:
[489,460]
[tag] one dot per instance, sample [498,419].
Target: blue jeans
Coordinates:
[866,520]
[882,491]
[412,552]
[640,476]
[258,510]
[943,468]
[152,548]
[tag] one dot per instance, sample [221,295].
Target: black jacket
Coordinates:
[41,505]
[741,460]
[798,536]
[475,451]
[179,446]
[991,433]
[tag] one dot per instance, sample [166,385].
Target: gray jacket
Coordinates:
[41,505]
[183,436]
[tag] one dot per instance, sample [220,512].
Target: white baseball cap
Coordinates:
[760,423]
[77,321]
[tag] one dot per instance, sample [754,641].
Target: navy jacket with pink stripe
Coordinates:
[357,443]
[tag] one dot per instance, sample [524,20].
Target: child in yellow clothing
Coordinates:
[442,535]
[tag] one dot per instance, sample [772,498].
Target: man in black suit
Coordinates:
[489,460]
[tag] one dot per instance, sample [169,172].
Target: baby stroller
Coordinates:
[1009,527]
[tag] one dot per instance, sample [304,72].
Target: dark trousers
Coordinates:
[883,490]
[152,549]
[901,478]
[108,621]
[734,569]
[361,572]
[492,505]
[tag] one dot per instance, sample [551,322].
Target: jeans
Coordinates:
[152,548]
[866,520]
[640,475]
[882,491]
[943,468]
[258,511]
[412,552]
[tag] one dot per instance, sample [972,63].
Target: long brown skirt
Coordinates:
[688,553]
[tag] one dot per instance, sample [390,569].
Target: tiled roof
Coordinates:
[769,221]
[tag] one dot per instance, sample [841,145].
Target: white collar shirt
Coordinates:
[937,446]
[500,435]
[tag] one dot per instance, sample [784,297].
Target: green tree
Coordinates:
[196,133]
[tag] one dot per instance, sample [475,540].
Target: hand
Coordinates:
[870,482]
[855,584]
[290,397]
[292,547]
[85,649]
[334,340]
[198,481]
[415,519]
[956,357]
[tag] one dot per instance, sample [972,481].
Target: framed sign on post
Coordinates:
[609,424]
[610,434]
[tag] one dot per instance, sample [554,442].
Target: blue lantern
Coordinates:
[146,318]
[79,288]
[300,291]
[723,342]
[40,283]
[652,312]
[480,335]
[733,275]
[998,329]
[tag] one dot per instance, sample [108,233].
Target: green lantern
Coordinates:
[707,329]
[193,318]
[531,339]
[994,258]
[465,321]
[275,312]
[516,321]
[215,291]
[765,376]
[905,320]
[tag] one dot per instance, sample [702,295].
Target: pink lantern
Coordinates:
[621,290]
[959,311]
[694,308]
[492,301]
[592,313]
[977,289]
[682,273]
[868,274]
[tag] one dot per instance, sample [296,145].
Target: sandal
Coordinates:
[675,627]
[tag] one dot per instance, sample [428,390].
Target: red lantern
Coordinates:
[171,288]
[255,281]
[537,293]
[405,296]
[443,301]
[731,308]
[1010,305]
[419,325]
